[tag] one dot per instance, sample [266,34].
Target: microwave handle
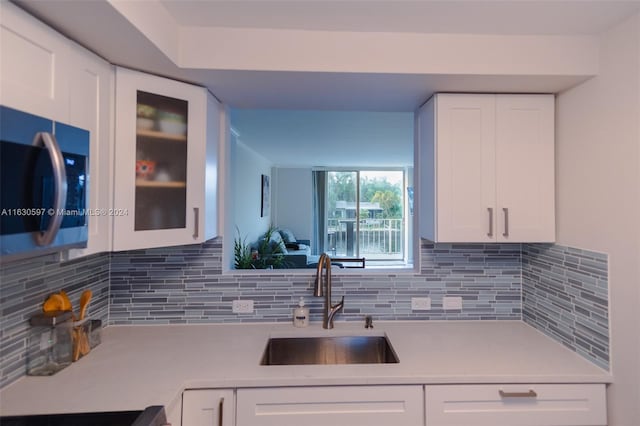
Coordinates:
[48,140]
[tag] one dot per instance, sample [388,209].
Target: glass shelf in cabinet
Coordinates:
[154,134]
[142,183]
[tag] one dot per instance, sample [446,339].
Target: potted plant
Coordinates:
[267,255]
[242,253]
[270,253]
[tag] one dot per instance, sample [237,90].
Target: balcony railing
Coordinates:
[377,238]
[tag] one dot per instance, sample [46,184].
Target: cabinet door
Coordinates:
[91,108]
[331,405]
[215,118]
[33,69]
[516,405]
[465,182]
[424,153]
[160,161]
[208,407]
[525,168]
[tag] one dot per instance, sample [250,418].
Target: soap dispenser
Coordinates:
[301,315]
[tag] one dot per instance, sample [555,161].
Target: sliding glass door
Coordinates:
[365,210]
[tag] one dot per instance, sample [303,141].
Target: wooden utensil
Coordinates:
[85,298]
[76,344]
[81,340]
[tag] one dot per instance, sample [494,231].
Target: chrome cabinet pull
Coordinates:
[44,238]
[506,222]
[530,394]
[220,408]
[196,216]
[490,233]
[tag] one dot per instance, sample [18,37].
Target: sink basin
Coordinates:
[329,350]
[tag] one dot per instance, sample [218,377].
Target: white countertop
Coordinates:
[138,366]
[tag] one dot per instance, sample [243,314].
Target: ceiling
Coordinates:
[303,138]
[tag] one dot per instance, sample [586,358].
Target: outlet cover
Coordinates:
[420,303]
[242,306]
[452,303]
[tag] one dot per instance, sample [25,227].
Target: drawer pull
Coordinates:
[220,411]
[506,222]
[530,394]
[490,233]
[196,217]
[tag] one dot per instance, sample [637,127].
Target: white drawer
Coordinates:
[516,405]
[331,405]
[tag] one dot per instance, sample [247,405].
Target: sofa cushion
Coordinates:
[277,244]
[287,235]
[296,246]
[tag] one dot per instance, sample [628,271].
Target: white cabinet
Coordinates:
[516,405]
[486,168]
[399,405]
[91,108]
[208,407]
[46,74]
[331,405]
[167,136]
[34,67]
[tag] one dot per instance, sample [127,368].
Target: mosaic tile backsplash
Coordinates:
[185,285]
[560,291]
[566,296]
[24,285]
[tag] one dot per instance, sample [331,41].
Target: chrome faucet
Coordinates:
[329,311]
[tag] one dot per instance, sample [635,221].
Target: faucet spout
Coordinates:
[324,264]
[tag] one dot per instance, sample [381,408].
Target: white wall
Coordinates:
[292,206]
[598,196]
[246,169]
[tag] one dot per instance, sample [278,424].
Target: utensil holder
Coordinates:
[49,346]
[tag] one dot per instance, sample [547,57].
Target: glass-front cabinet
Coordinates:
[161,162]
[166,141]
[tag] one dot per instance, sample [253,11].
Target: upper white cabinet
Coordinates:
[486,167]
[167,136]
[91,108]
[46,74]
[34,67]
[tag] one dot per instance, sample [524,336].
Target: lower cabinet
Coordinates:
[516,405]
[208,407]
[399,405]
[331,405]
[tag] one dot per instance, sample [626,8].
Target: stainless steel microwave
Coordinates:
[43,185]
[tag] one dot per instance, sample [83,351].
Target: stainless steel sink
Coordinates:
[329,350]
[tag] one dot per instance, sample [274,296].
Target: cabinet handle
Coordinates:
[490,233]
[196,216]
[506,222]
[530,394]
[220,409]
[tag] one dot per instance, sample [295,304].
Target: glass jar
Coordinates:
[49,344]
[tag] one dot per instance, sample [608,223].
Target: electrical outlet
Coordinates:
[420,303]
[452,303]
[242,306]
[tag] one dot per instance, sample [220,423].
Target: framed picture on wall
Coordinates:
[266,197]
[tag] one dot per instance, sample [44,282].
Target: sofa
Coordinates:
[296,253]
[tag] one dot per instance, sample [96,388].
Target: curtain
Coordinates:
[319,211]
